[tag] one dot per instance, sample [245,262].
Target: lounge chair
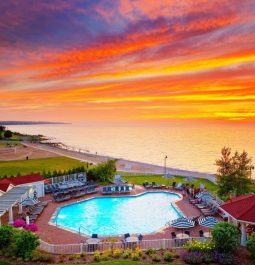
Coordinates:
[179,186]
[146,185]
[106,190]
[154,185]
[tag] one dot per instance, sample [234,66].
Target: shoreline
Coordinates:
[123,165]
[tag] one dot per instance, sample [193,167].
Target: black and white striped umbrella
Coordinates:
[208,221]
[182,222]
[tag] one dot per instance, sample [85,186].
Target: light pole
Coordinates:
[165,166]
[251,168]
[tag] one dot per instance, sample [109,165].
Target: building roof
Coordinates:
[11,197]
[242,208]
[4,184]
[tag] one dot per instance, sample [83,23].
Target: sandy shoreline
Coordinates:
[122,164]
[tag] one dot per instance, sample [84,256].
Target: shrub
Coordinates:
[194,245]
[2,262]
[117,253]
[150,251]
[96,256]
[225,237]
[126,255]
[223,258]
[155,258]
[6,233]
[138,251]
[251,246]
[134,257]
[193,257]
[31,227]
[19,223]
[168,256]
[24,243]
[41,256]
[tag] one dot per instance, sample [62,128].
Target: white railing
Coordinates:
[102,246]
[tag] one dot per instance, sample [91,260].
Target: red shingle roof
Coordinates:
[4,184]
[241,208]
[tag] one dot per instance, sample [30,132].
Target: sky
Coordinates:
[122,61]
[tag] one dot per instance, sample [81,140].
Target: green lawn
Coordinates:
[10,168]
[178,179]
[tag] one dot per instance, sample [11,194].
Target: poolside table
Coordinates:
[131,241]
[182,236]
[92,241]
[207,234]
[92,244]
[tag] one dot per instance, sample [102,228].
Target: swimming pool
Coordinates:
[108,216]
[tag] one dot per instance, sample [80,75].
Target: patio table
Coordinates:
[182,236]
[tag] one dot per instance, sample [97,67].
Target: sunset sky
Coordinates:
[141,61]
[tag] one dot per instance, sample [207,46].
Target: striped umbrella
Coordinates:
[182,222]
[208,221]
[28,202]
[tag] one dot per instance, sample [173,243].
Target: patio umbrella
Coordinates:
[183,223]
[28,202]
[208,221]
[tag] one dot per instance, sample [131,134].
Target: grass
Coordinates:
[139,180]
[12,168]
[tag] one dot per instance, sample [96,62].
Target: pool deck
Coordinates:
[56,235]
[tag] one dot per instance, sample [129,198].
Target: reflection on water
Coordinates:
[187,147]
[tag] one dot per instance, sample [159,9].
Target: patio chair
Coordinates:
[178,186]
[146,185]
[154,185]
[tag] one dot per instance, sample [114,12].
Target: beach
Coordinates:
[122,164]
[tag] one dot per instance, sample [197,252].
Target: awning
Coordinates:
[11,198]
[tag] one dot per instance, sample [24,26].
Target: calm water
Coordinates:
[119,215]
[187,147]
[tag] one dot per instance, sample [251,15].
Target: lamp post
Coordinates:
[165,166]
[251,168]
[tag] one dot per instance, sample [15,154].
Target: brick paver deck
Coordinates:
[55,235]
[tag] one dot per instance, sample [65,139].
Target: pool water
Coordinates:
[108,216]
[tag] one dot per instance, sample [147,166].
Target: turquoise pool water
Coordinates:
[108,216]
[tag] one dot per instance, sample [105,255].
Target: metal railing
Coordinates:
[103,246]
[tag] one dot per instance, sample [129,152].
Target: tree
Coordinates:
[2,128]
[104,172]
[8,134]
[251,246]
[233,173]
[225,237]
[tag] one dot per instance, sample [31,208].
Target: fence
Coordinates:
[102,246]
[67,177]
